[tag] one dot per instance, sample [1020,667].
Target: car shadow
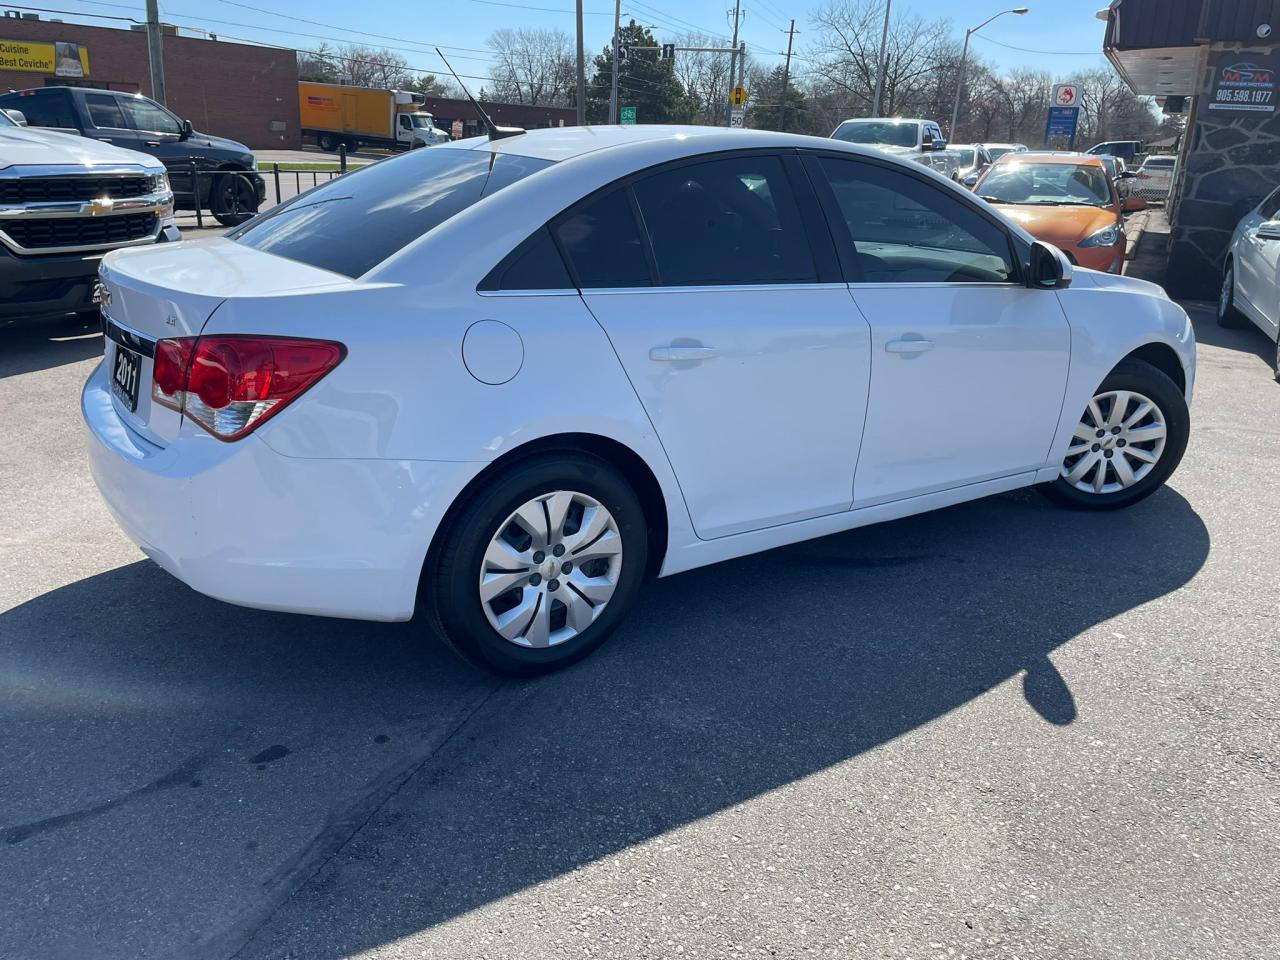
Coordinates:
[735,680]
[27,346]
[1249,339]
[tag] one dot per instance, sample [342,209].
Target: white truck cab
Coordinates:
[918,140]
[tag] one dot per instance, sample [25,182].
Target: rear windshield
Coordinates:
[353,223]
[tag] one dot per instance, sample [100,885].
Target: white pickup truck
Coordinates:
[65,200]
[918,140]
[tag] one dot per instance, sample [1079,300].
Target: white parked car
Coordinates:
[502,382]
[1251,274]
[998,150]
[1154,178]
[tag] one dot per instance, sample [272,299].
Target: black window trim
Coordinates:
[838,227]
[823,250]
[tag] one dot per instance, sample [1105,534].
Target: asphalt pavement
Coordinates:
[1000,730]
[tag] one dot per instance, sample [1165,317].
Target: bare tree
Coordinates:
[532,66]
[360,66]
[705,77]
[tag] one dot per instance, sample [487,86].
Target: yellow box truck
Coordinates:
[334,114]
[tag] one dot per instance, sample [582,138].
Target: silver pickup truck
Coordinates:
[918,140]
[65,200]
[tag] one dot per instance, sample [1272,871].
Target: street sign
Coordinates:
[668,52]
[627,115]
[738,97]
[1062,122]
[624,51]
[1066,95]
[737,117]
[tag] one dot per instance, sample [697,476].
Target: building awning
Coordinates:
[1160,47]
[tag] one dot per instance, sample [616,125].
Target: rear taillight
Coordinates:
[1143,176]
[230,385]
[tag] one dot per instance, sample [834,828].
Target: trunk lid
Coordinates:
[171,290]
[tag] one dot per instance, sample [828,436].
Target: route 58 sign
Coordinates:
[1066,95]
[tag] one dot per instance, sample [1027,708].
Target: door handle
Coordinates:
[152,143]
[676,354]
[105,139]
[908,346]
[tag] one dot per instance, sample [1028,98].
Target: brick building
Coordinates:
[235,90]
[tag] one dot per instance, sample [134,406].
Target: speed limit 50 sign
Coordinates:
[1066,95]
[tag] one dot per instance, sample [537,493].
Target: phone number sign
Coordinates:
[1244,86]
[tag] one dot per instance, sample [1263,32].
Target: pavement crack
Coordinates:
[337,834]
[174,778]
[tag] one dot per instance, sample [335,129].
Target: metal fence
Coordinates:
[212,190]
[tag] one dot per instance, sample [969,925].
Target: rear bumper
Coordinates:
[241,523]
[43,286]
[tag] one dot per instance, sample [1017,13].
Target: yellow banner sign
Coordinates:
[60,59]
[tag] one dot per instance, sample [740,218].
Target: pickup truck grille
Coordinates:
[79,231]
[72,188]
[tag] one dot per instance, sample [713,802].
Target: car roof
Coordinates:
[564,143]
[1053,156]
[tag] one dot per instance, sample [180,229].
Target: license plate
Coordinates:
[125,373]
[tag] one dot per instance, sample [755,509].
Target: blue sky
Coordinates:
[1058,35]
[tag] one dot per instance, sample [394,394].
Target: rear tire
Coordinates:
[1130,439]
[328,142]
[1228,316]
[501,565]
[233,199]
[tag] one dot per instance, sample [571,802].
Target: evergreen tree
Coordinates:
[644,82]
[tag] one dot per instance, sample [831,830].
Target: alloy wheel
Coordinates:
[1118,441]
[550,569]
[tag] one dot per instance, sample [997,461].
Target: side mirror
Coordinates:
[187,130]
[1269,230]
[970,181]
[1049,268]
[17,116]
[1132,203]
[939,145]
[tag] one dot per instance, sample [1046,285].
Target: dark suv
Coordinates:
[227,178]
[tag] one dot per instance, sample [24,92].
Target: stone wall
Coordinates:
[1232,163]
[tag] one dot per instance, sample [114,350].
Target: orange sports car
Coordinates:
[1066,199]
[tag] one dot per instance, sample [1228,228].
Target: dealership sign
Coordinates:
[59,59]
[1244,85]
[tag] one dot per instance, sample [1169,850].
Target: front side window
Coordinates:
[351,224]
[731,221]
[968,158]
[104,111]
[149,117]
[1047,184]
[903,230]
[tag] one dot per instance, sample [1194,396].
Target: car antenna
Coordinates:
[494,131]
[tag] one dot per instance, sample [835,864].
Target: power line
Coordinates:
[334,26]
[525,6]
[663,15]
[1062,53]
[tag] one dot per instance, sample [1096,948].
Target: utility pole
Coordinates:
[883,63]
[613,84]
[964,59]
[581,71]
[737,15]
[154,52]
[786,77]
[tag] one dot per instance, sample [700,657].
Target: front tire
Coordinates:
[537,568]
[1228,316]
[1130,439]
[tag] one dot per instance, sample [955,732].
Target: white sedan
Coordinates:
[501,382]
[1251,273]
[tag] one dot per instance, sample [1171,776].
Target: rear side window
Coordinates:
[732,221]
[351,224]
[104,111]
[534,265]
[602,241]
[44,110]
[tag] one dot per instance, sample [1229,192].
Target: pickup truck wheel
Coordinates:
[233,199]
